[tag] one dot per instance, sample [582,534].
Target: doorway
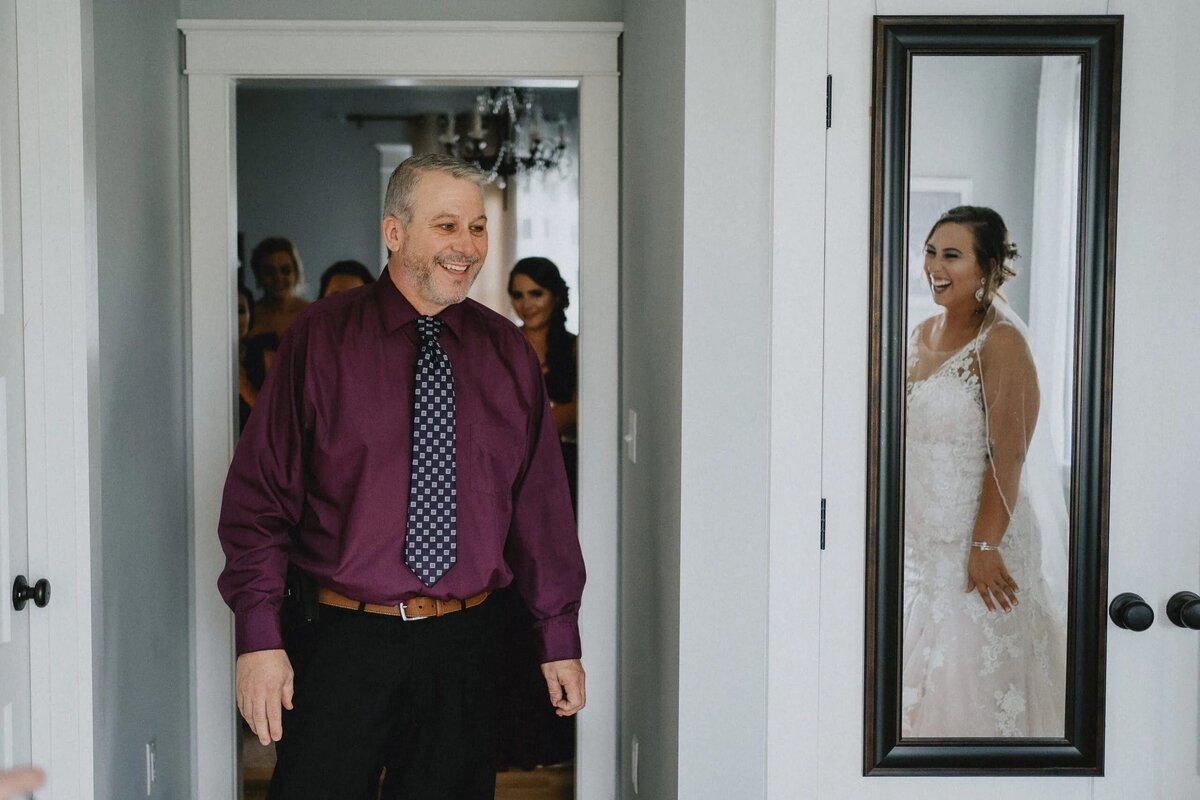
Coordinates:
[313,162]
[223,54]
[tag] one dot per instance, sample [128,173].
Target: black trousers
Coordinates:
[374,691]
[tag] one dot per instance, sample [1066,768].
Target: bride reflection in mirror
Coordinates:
[985,522]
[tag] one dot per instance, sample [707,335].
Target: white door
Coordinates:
[15,732]
[1152,719]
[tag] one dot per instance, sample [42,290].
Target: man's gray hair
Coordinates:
[402,186]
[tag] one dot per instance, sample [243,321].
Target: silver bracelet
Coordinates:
[985,546]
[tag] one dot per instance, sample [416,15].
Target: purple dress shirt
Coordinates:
[320,476]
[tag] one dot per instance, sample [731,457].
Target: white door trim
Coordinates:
[221,52]
[58,248]
[797,364]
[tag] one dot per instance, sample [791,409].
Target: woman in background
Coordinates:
[530,733]
[247,391]
[540,297]
[343,276]
[279,274]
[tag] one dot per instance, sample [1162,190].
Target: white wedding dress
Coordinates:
[969,672]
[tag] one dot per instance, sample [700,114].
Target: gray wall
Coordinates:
[652,168]
[141,639]
[977,118]
[305,174]
[557,10]
[696,259]
[725,430]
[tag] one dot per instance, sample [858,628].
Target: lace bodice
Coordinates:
[946,448]
[967,671]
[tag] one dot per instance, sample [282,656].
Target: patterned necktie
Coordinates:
[429,544]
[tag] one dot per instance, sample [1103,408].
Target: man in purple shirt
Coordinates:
[396,671]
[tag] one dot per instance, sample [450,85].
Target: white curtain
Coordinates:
[1054,249]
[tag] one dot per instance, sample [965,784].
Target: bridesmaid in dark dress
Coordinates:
[540,297]
[531,734]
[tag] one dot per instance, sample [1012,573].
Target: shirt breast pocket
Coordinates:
[494,455]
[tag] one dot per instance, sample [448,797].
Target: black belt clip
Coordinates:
[300,591]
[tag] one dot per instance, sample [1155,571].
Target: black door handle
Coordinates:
[22,593]
[1184,610]
[1131,612]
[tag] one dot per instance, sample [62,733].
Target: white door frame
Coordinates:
[55,85]
[797,369]
[222,52]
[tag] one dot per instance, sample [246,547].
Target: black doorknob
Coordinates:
[1131,612]
[1184,610]
[22,593]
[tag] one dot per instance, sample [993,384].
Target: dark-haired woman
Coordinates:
[343,276]
[540,297]
[984,651]
[530,734]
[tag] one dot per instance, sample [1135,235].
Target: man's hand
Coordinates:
[16,783]
[566,682]
[264,681]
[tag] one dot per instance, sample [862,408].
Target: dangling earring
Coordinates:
[979,291]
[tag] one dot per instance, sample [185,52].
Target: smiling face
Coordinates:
[533,303]
[952,267]
[278,275]
[434,259]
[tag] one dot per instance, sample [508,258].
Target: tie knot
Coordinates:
[429,328]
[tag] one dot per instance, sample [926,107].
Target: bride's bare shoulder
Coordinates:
[1005,346]
[922,329]
[1006,337]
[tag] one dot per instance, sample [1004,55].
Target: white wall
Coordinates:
[141,636]
[725,423]
[696,311]
[558,10]
[652,198]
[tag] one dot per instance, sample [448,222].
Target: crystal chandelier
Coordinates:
[507,136]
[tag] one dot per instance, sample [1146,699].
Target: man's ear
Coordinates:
[393,233]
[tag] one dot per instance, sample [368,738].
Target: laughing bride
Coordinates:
[984,524]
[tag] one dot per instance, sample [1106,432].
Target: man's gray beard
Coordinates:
[421,273]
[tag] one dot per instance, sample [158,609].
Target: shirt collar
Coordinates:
[398,312]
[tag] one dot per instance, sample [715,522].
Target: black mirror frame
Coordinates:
[1097,40]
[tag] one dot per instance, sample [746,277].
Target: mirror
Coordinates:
[993,225]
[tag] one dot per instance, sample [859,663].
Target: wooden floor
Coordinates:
[543,783]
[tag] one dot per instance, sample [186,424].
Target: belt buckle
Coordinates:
[404,615]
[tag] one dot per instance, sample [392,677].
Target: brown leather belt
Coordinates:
[412,609]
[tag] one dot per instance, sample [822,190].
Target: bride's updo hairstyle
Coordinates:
[993,250]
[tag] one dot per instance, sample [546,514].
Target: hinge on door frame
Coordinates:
[828,102]
[822,523]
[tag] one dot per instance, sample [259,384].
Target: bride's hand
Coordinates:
[987,575]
